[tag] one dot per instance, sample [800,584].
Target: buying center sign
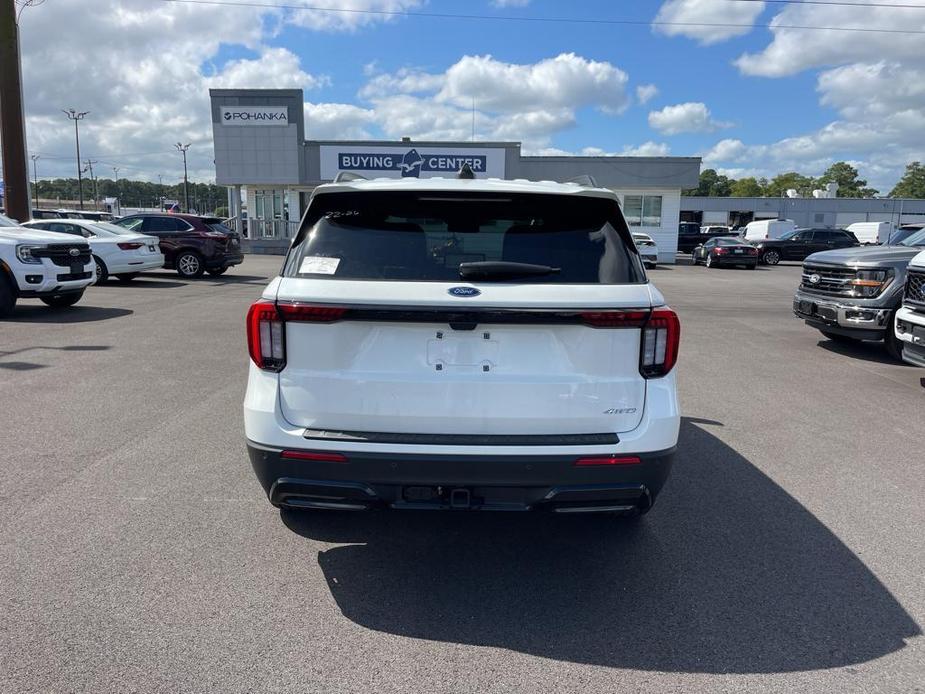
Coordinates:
[254,115]
[410,162]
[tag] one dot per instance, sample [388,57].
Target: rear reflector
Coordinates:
[608,460]
[317,457]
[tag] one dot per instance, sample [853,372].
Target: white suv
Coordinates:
[910,319]
[462,344]
[55,268]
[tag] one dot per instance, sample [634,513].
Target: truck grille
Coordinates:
[60,254]
[828,280]
[915,288]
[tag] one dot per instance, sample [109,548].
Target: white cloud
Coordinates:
[525,102]
[338,122]
[726,151]
[690,117]
[646,92]
[646,149]
[874,81]
[354,14]
[795,50]
[705,13]
[146,76]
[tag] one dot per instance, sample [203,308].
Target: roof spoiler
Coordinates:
[584,180]
[344,176]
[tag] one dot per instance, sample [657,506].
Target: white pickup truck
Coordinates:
[52,267]
[910,318]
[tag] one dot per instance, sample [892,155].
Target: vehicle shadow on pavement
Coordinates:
[39,313]
[727,574]
[865,351]
[141,284]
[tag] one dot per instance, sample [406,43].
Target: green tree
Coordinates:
[849,185]
[746,188]
[712,184]
[912,184]
[780,184]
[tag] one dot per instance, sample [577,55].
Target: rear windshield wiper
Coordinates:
[502,269]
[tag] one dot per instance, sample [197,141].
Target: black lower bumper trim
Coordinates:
[448,482]
[605,439]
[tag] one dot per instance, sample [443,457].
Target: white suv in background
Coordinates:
[462,344]
[910,318]
[55,268]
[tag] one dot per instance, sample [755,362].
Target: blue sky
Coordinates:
[750,99]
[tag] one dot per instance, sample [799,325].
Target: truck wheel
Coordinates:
[189,265]
[102,273]
[7,297]
[770,258]
[894,346]
[836,337]
[62,300]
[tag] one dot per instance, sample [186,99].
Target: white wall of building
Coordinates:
[666,234]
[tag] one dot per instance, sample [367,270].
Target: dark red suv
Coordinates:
[191,244]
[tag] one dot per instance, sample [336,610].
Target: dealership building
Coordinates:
[262,156]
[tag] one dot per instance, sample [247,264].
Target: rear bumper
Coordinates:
[224,260]
[736,260]
[465,482]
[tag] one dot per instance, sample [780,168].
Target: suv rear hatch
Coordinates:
[492,315]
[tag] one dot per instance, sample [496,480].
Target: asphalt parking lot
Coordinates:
[138,552]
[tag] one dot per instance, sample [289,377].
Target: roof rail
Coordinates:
[584,180]
[344,176]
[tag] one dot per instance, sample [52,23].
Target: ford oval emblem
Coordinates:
[463,291]
[814,279]
[74,251]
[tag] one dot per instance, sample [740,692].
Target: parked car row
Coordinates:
[56,259]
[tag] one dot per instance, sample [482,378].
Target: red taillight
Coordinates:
[307,313]
[661,338]
[130,246]
[719,250]
[753,251]
[317,457]
[266,328]
[615,319]
[608,460]
[265,335]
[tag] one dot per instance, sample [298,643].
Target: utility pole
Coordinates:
[160,192]
[77,117]
[182,149]
[35,178]
[96,197]
[115,173]
[12,124]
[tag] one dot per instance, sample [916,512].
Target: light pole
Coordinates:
[35,178]
[182,149]
[115,173]
[96,194]
[77,117]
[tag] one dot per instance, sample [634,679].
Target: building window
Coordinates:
[643,210]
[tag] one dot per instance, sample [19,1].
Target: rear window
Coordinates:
[427,236]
